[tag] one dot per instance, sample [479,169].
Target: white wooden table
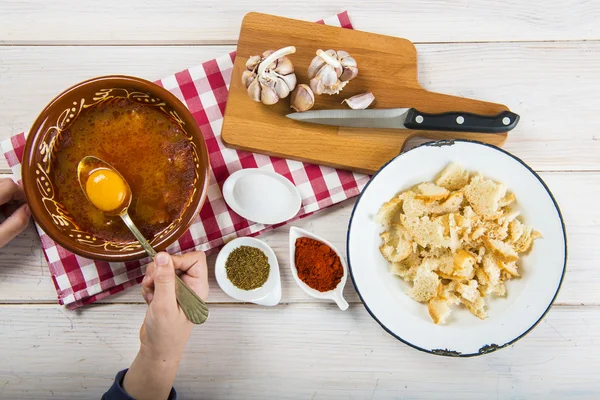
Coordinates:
[541,58]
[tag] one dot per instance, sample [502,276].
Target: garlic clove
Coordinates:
[328,75]
[303,98]
[348,74]
[254,90]
[252,62]
[348,62]
[341,54]
[267,53]
[290,80]
[284,66]
[248,77]
[268,95]
[317,85]
[315,65]
[281,88]
[360,101]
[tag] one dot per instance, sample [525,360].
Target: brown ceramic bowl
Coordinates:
[37,164]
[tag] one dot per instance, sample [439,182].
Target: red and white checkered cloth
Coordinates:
[203,89]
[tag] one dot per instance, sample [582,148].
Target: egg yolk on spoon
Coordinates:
[106,190]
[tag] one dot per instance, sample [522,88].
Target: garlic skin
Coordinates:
[270,77]
[360,101]
[303,98]
[330,71]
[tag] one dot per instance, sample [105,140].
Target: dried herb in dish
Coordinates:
[247,267]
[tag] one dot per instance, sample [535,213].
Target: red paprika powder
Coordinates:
[317,264]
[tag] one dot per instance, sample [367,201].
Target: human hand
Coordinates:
[12,199]
[165,330]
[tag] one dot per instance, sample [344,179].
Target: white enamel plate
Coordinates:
[510,318]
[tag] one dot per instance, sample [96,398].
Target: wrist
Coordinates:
[158,358]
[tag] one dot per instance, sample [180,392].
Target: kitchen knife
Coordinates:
[410,118]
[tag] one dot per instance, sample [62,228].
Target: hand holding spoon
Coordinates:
[108,191]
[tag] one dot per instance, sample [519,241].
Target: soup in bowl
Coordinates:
[141,130]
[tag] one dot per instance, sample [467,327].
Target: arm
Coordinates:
[165,330]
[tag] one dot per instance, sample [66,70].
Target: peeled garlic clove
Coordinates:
[302,98]
[268,95]
[341,54]
[248,77]
[290,80]
[315,65]
[317,85]
[254,90]
[348,74]
[360,101]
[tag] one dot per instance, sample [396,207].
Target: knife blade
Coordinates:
[411,118]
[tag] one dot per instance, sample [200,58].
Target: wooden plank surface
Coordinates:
[553,86]
[299,351]
[190,21]
[540,58]
[26,279]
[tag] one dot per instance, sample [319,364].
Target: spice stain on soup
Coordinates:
[149,150]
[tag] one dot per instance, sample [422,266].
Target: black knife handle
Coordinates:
[461,122]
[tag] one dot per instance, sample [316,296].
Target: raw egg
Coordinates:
[106,190]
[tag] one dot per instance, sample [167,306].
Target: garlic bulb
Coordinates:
[302,98]
[360,101]
[330,71]
[270,77]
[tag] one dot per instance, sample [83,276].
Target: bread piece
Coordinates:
[508,216]
[453,177]
[464,263]
[451,205]
[500,249]
[424,231]
[510,267]
[492,269]
[397,244]
[468,291]
[438,310]
[524,243]
[507,200]
[476,307]
[425,285]
[413,207]
[407,268]
[515,230]
[429,191]
[389,210]
[484,196]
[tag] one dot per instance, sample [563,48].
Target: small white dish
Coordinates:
[261,196]
[337,294]
[509,318]
[268,294]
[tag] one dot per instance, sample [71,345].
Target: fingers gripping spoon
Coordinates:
[108,191]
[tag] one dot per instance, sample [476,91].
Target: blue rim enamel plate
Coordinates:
[528,298]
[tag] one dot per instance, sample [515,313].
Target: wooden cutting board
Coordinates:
[387,67]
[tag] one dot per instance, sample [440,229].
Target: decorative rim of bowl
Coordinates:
[80,241]
[491,347]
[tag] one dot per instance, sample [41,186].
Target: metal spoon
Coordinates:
[194,308]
